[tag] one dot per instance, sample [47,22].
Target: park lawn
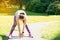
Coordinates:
[7,21]
[51,32]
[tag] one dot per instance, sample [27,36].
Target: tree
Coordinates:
[21,3]
[39,5]
[27,4]
[53,8]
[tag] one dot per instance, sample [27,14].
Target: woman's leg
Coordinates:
[26,26]
[27,29]
[13,26]
[24,22]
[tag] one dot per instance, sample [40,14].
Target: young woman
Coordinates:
[20,15]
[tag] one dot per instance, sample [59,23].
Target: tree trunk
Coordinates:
[21,4]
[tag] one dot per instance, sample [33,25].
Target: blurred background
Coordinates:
[40,7]
[41,10]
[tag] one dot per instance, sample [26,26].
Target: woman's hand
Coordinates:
[21,35]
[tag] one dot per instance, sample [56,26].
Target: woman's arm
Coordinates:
[19,27]
[24,23]
[23,29]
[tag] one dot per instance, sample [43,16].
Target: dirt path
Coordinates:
[34,28]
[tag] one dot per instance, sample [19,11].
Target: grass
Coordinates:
[7,21]
[51,32]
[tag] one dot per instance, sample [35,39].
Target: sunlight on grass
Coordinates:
[7,21]
[3,14]
[42,18]
[51,31]
[0,38]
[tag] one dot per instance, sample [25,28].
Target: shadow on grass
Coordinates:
[57,37]
[4,37]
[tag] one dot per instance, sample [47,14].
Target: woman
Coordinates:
[20,15]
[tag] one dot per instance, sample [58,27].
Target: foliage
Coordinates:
[54,8]
[39,5]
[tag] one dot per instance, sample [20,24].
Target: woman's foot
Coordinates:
[10,36]
[30,35]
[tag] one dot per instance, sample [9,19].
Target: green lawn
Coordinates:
[51,32]
[7,21]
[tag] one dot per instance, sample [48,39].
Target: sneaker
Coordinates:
[30,36]
[10,36]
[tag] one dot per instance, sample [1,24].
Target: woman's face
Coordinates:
[21,16]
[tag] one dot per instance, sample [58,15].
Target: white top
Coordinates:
[18,13]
